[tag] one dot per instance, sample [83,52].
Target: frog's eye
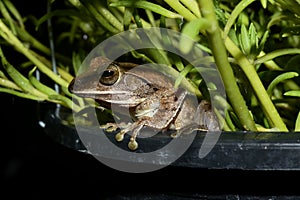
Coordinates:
[110,75]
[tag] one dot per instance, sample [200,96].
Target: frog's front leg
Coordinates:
[125,128]
[156,112]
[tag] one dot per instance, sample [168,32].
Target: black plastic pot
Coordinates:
[234,150]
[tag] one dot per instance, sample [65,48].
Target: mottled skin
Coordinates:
[148,94]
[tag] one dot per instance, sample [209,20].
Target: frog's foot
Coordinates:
[120,136]
[110,127]
[132,145]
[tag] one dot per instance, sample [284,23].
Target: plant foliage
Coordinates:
[254,43]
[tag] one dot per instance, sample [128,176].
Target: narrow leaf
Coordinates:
[244,40]
[293,93]
[279,79]
[18,78]
[191,30]
[297,124]
[21,94]
[146,5]
[38,85]
[235,14]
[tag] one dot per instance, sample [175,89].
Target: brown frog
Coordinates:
[148,95]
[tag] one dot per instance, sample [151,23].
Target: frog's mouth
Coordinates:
[119,97]
[95,92]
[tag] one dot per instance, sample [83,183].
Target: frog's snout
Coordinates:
[71,86]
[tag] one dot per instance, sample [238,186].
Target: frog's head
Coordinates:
[110,83]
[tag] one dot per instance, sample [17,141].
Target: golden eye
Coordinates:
[110,75]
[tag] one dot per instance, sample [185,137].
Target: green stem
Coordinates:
[257,85]
[221,58]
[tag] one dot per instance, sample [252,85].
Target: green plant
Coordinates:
[255,45]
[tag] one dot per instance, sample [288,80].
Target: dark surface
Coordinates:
[34,166]
[243,150]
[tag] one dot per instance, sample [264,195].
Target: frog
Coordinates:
[149,96]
